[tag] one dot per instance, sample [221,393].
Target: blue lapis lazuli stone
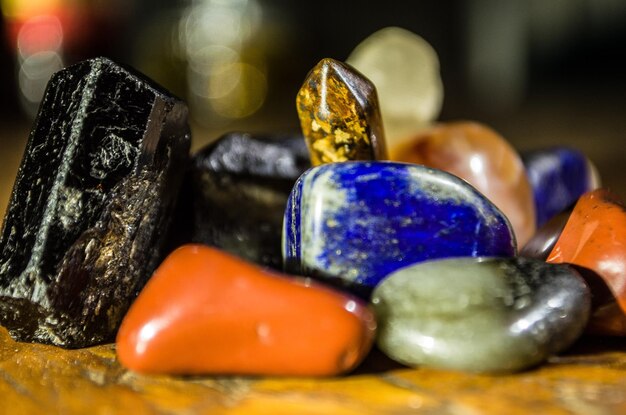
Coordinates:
[558,176]
[356,222]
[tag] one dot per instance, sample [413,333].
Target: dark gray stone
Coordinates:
[239,186]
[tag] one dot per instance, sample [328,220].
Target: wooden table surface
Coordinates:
[590,379]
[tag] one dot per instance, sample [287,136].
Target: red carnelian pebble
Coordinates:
[594,237]
[206,312]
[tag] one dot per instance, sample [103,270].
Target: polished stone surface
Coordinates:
[558,176]
[339,114]
[238,188]
[480,314]
[354,223]
[405,70]
[207,312]
[91,205]
[543,241]
[481,156]
[594,237]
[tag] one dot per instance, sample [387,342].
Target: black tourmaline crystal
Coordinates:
[91,204]
[240,185]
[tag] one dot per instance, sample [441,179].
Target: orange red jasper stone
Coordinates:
[206,312]
[483,158]
[594,237]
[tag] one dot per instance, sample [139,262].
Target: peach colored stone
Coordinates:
[483,158]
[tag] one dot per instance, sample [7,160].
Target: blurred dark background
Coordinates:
[539,72]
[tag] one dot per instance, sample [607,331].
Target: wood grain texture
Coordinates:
[45,379]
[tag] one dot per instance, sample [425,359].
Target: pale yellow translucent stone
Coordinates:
[405,70]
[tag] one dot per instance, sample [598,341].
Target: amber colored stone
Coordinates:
[479,155]
[204,311]
[339,114]
[594,237]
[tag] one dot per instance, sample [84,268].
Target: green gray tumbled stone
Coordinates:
[480,314]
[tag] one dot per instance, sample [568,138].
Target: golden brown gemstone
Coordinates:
[479,155]
[339,114]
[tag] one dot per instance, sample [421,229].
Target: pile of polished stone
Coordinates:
[407,235]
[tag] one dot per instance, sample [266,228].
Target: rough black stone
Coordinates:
[91,204]
[240,185]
